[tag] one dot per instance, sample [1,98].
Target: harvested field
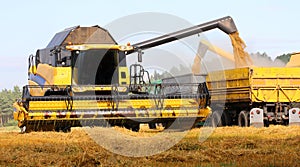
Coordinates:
[227,146]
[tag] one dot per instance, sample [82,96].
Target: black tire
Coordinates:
[135,127]
[266,123]
[152,125]
[127,126]
[167,124]
[286,122]
[132,126]
[216,120]
[66,129]
[243,119]
[226,119]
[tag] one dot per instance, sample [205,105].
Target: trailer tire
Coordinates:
[266,123]
[216,120]
[243,120]
[226,119]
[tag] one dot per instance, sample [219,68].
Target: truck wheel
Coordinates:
[226,119]
[243,120]
[266,123]
[216,120]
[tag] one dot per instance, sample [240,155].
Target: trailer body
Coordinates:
[237,91]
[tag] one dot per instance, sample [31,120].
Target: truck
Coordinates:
[81,78]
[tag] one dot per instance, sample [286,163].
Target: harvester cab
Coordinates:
[81,78]
[85,56]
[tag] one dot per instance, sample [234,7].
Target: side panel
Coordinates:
[275,84]
[230,85]
[62,76]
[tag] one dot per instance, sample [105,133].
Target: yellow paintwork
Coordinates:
[20,113]
[124,104]
[294,60]
[32,69]
[53,76]
[47,72]
[85,88]
[256,84]
[37,90]
[175,113]
[126,79]
[142,108]
[62,75]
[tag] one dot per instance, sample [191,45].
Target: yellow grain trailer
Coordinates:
[237,91]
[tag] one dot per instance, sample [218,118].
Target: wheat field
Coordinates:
[227,146]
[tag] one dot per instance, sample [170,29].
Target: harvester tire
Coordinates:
[132,126]
[152,126]
[135,127]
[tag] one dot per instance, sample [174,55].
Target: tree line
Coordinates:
[7,98]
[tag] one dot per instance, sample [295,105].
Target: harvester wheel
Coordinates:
[167,124]
[132,126]
[135,127]
[23,129]
[152,126]
[243,120]
[64,129]
[28,128]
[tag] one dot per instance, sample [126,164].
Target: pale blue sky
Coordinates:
[270,26]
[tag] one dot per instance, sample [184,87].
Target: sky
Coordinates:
[270,26]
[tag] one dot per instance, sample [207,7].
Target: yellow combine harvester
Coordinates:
[82,79]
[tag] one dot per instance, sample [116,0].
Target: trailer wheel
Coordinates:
[266,123]
[226,119]
[243,120]
[216,120]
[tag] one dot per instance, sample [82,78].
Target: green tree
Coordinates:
[7,98]
[284,57]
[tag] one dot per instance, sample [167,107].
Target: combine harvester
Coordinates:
[81,79]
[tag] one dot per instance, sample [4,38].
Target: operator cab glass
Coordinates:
[95,66]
